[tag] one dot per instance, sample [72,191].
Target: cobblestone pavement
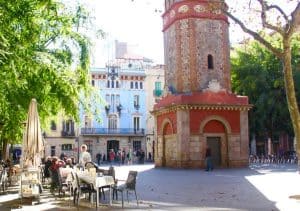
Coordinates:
[261,187]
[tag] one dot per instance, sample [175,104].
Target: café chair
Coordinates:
[130,185]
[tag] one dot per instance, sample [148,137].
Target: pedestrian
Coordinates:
[85,156]
[123,156]
[99,157]
[150,156]
[112,156]
[208,160]
[129,157]
[142,157]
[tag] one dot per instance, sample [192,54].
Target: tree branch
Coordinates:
[295,21]
[276,7]
[255,35]
[265,23]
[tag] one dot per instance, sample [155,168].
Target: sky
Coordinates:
[139,23]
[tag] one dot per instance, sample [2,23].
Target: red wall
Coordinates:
[214,126]
[197,116]
[172,117]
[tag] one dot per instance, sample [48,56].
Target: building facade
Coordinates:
[61,137]
[154,84]
[198,109]
[120,122]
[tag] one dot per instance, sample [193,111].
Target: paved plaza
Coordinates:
[260,187]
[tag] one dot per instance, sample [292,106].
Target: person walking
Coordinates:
[208,160]
[99,158]
[112,156]
[129,157]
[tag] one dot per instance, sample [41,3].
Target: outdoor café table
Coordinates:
[98,182]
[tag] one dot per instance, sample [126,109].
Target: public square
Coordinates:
[259,187]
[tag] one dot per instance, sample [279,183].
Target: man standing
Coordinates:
[85,156]
[99,157]
[208,160]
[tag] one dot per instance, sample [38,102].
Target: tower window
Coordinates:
[210,61]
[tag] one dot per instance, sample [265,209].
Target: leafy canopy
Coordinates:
[43,55]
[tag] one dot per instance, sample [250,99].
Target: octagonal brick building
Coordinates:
[198,109]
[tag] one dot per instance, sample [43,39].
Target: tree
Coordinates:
[258,74]
[274,19]
[43,55]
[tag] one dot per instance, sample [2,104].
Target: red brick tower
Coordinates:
[198,109]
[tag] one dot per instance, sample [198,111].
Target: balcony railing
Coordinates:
[67,133]
[157,92]
[110,131]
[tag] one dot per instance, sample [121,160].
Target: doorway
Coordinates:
[112,144]
[214,143]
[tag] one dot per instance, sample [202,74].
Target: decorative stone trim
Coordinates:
[174,108]
[193,9]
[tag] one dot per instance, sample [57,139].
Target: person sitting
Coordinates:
[54,171]
[47,165]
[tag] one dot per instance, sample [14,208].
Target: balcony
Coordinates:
[113,132]
[157,92]
[68,133]
[137,106]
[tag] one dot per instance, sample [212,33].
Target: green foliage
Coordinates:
[43,55]
[258,74]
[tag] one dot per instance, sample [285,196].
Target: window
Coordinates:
[53,125]
[87,122]
[52,153]
[93,83]
[112,84]
[112,122]
[107,98]
[136,123]
[137,145]
[157,85]
[141,85]
[118,100]
[210,62]
[117,84]
[68,127]
[108,84]
[66,147]
[136,100]
[113,103]
[131,85]
[136,85]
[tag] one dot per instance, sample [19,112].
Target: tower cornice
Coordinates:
[202,9]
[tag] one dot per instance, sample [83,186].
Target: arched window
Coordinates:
[108,83]
[131,85]
[210,62]
[117,84]
[93,83]
[141,85]
[136,85]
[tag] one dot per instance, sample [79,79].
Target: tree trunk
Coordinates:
[290,94]
[4,149]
